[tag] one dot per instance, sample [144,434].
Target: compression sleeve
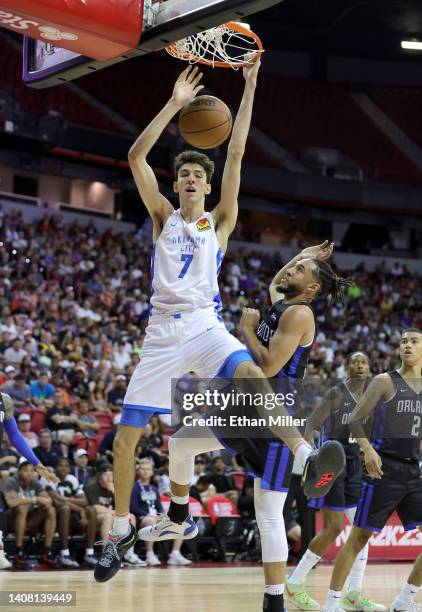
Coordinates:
[19,442]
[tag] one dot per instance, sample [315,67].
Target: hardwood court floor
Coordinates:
[212,589]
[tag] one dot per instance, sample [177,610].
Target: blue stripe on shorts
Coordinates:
[134,415]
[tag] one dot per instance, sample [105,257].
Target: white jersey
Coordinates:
[186,261]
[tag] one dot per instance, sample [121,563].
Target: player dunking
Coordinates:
[337,406]
[392,462]
[280,345]
[185,332]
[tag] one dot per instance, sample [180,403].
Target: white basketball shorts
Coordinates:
[174,345]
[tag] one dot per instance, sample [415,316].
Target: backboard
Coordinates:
[164,21]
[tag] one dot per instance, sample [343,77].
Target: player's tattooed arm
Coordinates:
[185,89]
[226,211]
[329,403]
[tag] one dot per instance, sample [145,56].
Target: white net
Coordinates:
[221,46]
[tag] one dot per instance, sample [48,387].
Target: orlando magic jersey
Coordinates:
[397,428]
[2,417]
[339,421]
[186,261]
[296,366]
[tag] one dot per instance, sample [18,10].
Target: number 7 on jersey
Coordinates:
[188,260]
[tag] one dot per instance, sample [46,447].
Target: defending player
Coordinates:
[280,345]
[343,498]
[392,482]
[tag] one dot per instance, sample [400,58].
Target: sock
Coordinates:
[302,452]
[65,552]
[89,551]
[305,565]
[333,598]
[407,594]
[274,589]
[121,525]
[179,510]
[273,603]
[358,570]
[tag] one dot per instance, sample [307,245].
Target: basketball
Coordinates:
[206,122]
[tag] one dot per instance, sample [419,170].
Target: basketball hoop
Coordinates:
[231,45]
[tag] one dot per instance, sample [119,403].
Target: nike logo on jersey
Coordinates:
[403,390]
[347,403]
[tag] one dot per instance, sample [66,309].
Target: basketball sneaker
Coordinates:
[67,561]
[4,562]
[398,606]
[166,529]
[113,552]
[353,601]
[90,559]
[322,467]
[152,559]
[131,559]
[176,558]
[299,598]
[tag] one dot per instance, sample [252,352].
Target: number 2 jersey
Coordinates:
[397,428]
[186,262]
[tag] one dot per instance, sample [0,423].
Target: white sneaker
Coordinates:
[68,561]
[132,560]
[176,558]
[165,529]
[398,606]
[4,562]
[152,559]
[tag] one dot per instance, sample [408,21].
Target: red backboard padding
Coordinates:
[97,29]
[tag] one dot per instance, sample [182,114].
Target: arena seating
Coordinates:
[403,106]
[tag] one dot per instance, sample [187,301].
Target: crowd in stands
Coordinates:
[73,311]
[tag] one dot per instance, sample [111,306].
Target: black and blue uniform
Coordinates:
[396,436]
[345,492]
[265,457]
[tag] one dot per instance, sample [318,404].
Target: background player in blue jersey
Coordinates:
[392,482]
[334,410]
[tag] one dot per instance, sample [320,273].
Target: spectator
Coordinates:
[81,470]
[203,490]
[121,356]
[79,382]
[19,391]
[8,459]
[73,514]
[199,469]
[15,353]
[62,422]
[146,506]
[10,372]
[100,495]
[223,482]
[106,445]
[87,423]
[24,426]
[48,452]
[41,389]
[245,503]
[29,508]
[116,395]
[145,450]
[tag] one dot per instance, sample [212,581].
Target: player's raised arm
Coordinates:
[321,251]
[185,89]
[225,213]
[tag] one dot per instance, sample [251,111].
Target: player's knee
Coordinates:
[63,510]
[334,527]
[359,537]
[22,510]
[248,369]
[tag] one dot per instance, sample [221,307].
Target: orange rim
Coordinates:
[232,25]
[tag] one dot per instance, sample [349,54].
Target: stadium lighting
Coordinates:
[414,45]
